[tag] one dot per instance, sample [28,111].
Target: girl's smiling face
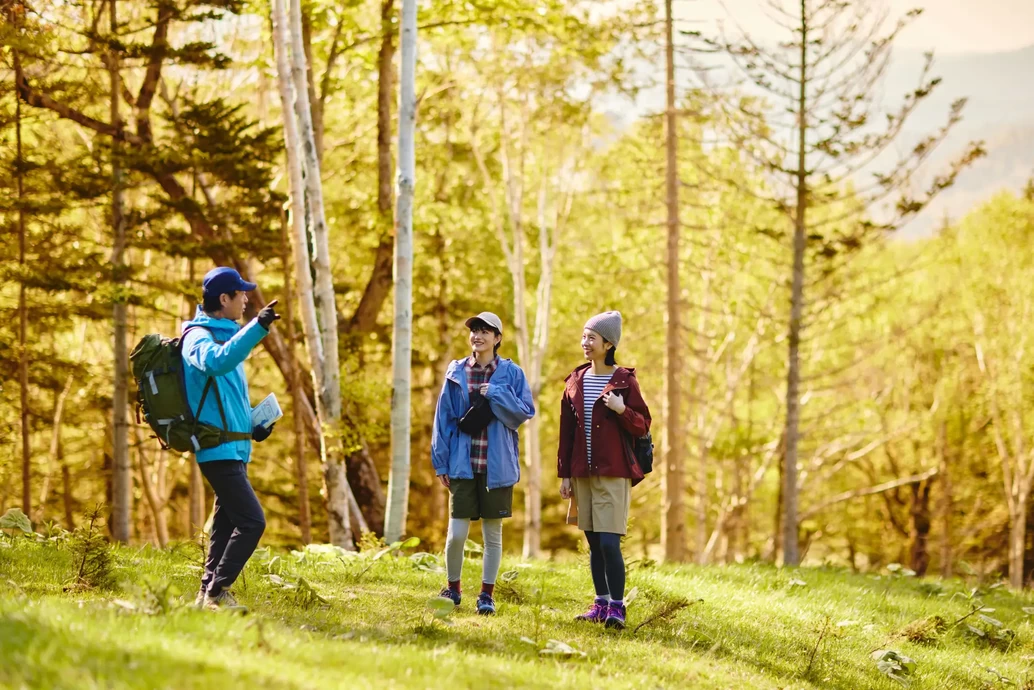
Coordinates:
[594,347]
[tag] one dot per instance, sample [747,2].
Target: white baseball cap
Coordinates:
[489,318]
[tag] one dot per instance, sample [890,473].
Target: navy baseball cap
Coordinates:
[222,280]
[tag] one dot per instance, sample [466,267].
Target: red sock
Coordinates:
[487,588]
[455,586]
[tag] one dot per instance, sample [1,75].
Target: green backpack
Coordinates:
[162,396]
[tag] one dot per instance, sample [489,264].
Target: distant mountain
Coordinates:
[999,111]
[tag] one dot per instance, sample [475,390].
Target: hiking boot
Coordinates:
[615,616]
[224,601]
[486,604]
[451,594]
[199,600]
[597,613]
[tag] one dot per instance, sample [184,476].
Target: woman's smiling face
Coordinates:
[594,347]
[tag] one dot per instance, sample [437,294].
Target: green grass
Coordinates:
[754,626]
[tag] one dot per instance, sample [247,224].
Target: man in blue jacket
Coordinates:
[214,350]
[479,468]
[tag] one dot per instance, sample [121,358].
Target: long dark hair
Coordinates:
[610,361]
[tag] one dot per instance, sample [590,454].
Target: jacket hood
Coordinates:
[224,327]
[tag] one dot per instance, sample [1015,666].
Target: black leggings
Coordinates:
[607,564]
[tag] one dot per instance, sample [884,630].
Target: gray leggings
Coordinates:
[491,532]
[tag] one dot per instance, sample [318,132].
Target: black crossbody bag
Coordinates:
[478,416]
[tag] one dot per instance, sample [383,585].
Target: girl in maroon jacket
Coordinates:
[601,412]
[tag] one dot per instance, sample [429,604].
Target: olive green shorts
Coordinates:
[472,499]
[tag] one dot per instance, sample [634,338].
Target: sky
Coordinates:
[946,26]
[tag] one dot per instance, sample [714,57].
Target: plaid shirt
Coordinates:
[476,376]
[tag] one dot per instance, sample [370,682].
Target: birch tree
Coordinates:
[531,332]
[402,342]
[319,317]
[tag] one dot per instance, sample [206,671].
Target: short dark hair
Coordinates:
[610,361]
[479,325]
[211,302]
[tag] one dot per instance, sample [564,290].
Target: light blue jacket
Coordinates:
[203,357]
[510,400]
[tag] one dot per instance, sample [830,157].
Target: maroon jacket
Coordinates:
[612,433]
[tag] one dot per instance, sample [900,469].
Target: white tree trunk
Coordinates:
[121,483]
[319,311]
[402,342]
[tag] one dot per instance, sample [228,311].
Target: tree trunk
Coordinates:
[439,494]
[946,503]
[777,517]
[310,86]
[53,459]
[364,318]
[294,384]
[919,553]
[700,385]
[532,490]
[67,499]
[402,342]
[1017,539]
[322,337]
[1028,547]
[196,502]
[793,377]
[155,501]
[673,519]
[122,478]
[385,90]
[23,314]
[536,356]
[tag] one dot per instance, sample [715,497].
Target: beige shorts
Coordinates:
[600,504]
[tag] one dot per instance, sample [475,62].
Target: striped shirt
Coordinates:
[592,390]
[476,376]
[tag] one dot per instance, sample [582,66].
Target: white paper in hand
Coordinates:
[266,412]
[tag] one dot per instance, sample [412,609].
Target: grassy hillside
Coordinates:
[320,620]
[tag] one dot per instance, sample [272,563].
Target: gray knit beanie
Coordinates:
[607,324]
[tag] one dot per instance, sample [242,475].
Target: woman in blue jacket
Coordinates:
[480,469]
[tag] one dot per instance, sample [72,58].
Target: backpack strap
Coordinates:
[225,435]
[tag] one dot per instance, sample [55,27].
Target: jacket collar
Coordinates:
[457,369]
[617,381]
[575,381]
[224,327]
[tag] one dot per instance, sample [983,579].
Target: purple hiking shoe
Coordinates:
[615,616]
[450,594]
[597,613]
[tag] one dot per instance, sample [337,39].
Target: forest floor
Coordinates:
[320,620]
